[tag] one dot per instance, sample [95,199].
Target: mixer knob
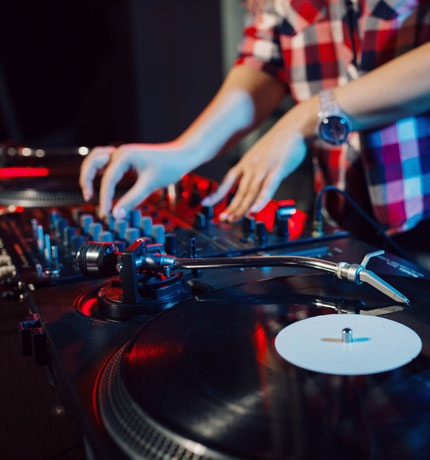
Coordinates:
[60,225]
[132,234]
[40,239]
[208,212]
[200,221]
[86,220]
[105,237]
[171,244]
[110,222]
[248,225]
[195,197]
[77,242]
[95,229]
[261,232]
[146,225]
[54,218]
[68,234]
[76,215]
[54,255]
[158,233]
[180,189]
[135,216]
[47,250]
[120,228]
[34,225]
[282,229]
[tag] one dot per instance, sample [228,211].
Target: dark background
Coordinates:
[95,72]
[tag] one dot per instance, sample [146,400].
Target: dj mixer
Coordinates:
[164,332]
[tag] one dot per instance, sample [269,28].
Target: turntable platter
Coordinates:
[204,380]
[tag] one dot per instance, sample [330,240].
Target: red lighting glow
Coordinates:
[296,223]
[88,307]
[10,173]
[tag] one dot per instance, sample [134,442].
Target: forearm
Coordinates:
[246,98]
[393,91]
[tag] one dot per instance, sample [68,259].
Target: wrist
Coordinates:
[303,117]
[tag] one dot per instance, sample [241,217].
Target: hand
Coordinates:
[260,171]
[275,156]
[156,165]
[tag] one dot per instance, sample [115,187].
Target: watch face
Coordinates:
[334,129]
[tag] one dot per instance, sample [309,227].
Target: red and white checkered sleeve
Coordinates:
[260,47]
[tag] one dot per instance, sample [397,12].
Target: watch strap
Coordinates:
[328,104]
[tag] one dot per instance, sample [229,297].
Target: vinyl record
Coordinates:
[203,380]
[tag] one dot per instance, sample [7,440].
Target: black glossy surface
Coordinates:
[207,370]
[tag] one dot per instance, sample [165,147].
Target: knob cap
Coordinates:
[76,215]
[120,228]
[132,234]
[208,211]
[135,218]
[110,222]
[282,229]
[95,229]
[106,237]
[200,221]
[195,197]
[60,225]
[146,226]
[40,239]
[86,220]
[158,234]
[261,232]
[248,225]
[54,216]
[77,242]
[68,234]
[171,244]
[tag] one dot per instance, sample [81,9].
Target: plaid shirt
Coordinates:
[306,44]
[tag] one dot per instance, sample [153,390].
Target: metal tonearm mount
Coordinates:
[103,259]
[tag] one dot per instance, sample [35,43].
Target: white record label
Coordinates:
[378,344]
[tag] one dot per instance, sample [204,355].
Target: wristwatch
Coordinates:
[333,125]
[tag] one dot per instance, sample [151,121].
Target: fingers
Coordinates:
[134,196]
[227,183]
[267,190]
[253,193]
[120,163]
[243,198]
[96,160]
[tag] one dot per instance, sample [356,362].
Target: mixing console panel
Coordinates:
[45,241]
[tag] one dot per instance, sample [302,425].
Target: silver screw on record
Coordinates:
[347,335]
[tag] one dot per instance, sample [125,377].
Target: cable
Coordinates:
[318,218]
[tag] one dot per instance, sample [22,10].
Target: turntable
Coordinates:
[222,374]
[176,336]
